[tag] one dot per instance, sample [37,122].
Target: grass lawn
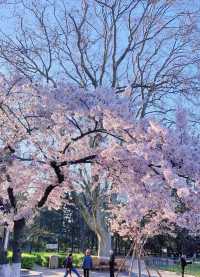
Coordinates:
[193,269]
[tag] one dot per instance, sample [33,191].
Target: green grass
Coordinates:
[193,269]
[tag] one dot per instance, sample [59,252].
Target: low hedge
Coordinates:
[78,259]
[28,260]
[42,259]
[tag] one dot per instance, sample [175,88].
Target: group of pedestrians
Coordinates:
[87,264]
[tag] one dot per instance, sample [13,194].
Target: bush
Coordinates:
[42,258]
[61,259]
[28,261]
[78,260]
[9,256]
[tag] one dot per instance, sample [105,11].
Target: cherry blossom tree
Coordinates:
[156,180]
[145,47]
[47,133]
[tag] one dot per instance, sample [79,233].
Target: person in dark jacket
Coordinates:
[87,263]
[112,264]
[68,264]
[183,264]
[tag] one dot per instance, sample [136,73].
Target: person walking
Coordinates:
[112,264]
[183,264]
[68,263]
[87,263]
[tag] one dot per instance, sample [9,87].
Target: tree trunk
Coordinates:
[103,237]
[16,246]
[139,267]
[131,267]
[104,243]
[103,234]
[98,224]
[4,264]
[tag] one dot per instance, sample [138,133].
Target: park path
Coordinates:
[60,273]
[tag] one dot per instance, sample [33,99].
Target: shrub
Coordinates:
[42,260]
[61,259]
[78,259]
[28,261]
[9,256]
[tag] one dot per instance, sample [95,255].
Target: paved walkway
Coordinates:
[60,273]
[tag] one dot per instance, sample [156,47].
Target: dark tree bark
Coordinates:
[17,240]
[3,253]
